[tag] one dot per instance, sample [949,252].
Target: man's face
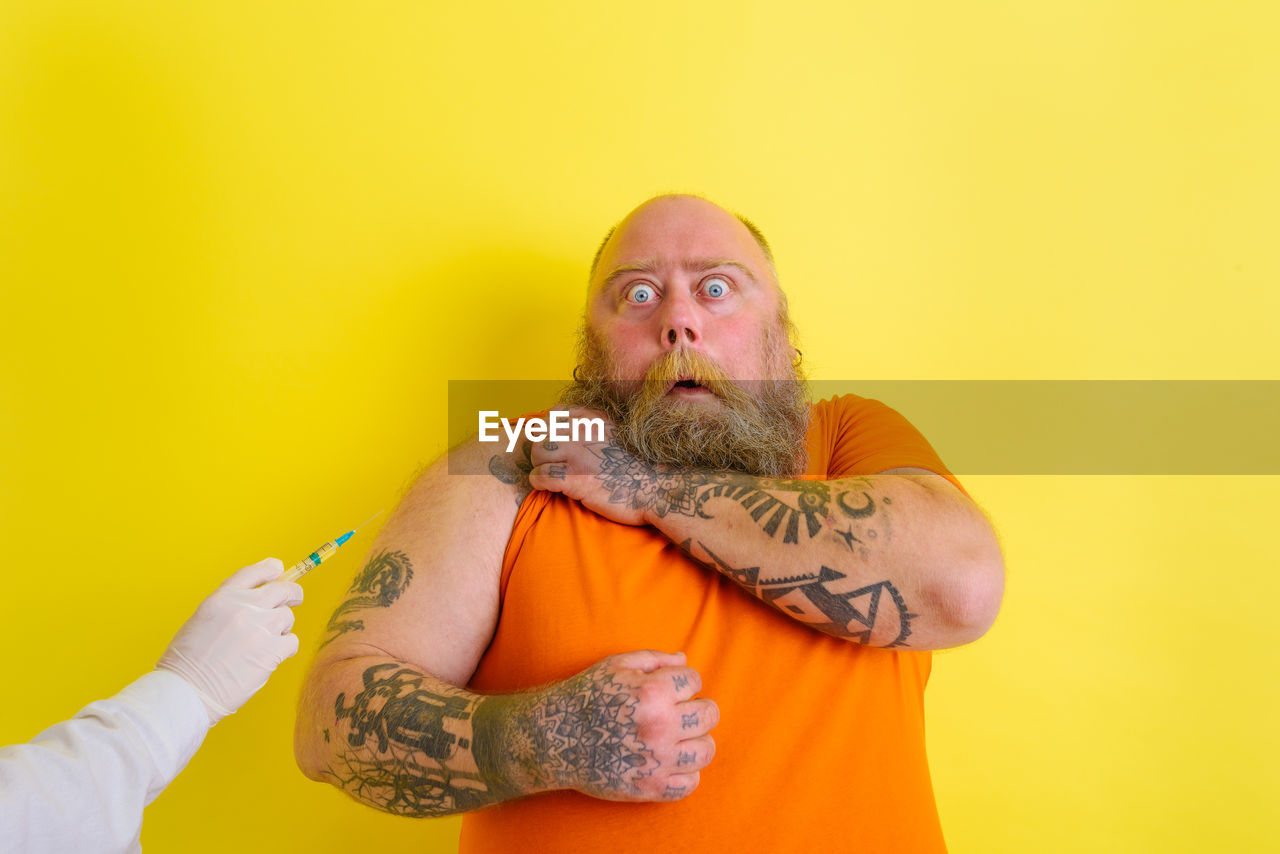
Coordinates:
[685,345]
[680,273]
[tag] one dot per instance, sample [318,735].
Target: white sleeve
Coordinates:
[81,784]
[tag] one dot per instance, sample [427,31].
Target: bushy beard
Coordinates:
[758,426]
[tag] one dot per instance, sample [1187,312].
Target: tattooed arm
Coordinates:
[383,717]
[898,559]
[628,729]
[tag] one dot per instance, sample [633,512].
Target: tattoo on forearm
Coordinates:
[856,512]
[394,707]
[782,508]
[813,599]
[412,750]
[384,578]
[770,502]
[848,537]
[776,505]
[399,743]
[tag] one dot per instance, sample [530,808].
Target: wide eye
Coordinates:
[715,287]
[640,293]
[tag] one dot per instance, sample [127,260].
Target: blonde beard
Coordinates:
[761,434]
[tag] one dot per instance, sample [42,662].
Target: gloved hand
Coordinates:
[236,638]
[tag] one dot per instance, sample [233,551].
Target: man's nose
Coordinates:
[680,324]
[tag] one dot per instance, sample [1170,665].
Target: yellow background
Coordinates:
[243,247]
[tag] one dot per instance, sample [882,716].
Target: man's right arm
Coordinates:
[382,714]
[411,744]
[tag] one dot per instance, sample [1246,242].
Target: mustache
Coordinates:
[681,365]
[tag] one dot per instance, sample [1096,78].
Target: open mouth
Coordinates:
[688,387]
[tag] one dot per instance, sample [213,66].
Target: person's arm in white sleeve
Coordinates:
[81,785]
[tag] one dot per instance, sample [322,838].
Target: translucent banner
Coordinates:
[1117,427]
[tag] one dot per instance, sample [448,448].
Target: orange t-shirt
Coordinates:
[820,746]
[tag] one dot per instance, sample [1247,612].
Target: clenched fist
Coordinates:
[629,728]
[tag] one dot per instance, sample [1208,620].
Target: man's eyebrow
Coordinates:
[702,265]
[646,266]
[697,265]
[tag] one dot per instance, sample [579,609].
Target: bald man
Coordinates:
[708,628]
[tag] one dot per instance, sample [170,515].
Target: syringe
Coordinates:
[323,553]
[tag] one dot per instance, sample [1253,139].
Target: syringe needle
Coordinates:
[366,521]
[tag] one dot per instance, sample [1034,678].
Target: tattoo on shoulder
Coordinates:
[513,469]
[382,581]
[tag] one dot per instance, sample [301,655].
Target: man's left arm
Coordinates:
[900,559]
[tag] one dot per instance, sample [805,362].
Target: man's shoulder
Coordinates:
[832,411]
[850,407]
[464,497]
[843,402]
[489,469]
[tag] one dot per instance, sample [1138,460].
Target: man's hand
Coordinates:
[604,477]
[237,637]
[626,729]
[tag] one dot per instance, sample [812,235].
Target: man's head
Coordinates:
[686,342]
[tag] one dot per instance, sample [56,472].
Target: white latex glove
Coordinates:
[236,638]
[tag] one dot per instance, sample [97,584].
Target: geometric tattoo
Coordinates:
[589,726]
[771,511]
[810,599]
[782,504]
[378,585]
